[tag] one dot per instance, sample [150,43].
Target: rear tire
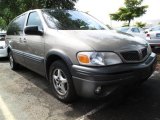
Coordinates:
[13,64]
[61,82]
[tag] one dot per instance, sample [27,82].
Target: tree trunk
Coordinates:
[129,21]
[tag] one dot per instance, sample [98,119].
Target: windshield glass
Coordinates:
[71,20]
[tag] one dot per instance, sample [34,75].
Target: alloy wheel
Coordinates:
[60,82]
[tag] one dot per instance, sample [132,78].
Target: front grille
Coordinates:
[134,56]
[1,47]
[130,55]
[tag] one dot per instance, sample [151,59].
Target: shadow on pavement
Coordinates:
[4,60]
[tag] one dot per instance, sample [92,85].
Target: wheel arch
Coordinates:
[53,56]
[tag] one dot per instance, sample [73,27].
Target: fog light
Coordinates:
[98,90]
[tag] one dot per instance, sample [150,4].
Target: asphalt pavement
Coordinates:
[25,95]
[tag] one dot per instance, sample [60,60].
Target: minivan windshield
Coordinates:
[71,20]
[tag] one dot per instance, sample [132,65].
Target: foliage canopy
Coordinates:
[131,10]
[140,24]
[11,8]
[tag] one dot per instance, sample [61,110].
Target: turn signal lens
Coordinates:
[83,59]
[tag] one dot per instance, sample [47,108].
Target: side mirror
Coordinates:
[33,30]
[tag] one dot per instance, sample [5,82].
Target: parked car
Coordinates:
[153,36]
[154,28]
[77,54]
[136,31]
[3,45]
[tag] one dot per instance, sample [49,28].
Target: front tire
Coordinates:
[13,64]
[61,82]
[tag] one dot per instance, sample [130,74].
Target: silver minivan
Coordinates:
[76,53]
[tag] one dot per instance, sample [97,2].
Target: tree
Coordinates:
[140,24]
[2,24]
[9,9]
[131,10]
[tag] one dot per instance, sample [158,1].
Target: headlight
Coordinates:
[98,58]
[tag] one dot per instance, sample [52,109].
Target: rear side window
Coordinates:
[34,20]
[17,25]
[135,30]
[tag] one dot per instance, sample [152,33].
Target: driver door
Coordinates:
[34,56]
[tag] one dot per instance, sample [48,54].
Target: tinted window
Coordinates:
[17,25]
[135,30]
[34,19]
[71,20]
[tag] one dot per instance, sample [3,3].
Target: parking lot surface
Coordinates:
[24,95]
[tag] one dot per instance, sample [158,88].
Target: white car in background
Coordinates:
[153,37]
[154,28]
[136,31]
[3,46]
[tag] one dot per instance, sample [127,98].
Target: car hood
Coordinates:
[107,40]
[104,40]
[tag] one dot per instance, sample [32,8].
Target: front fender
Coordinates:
[61,54]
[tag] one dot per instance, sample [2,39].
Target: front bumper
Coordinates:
[87,79]
[3,52]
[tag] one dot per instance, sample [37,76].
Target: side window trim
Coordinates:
[26,24]
[28,17]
